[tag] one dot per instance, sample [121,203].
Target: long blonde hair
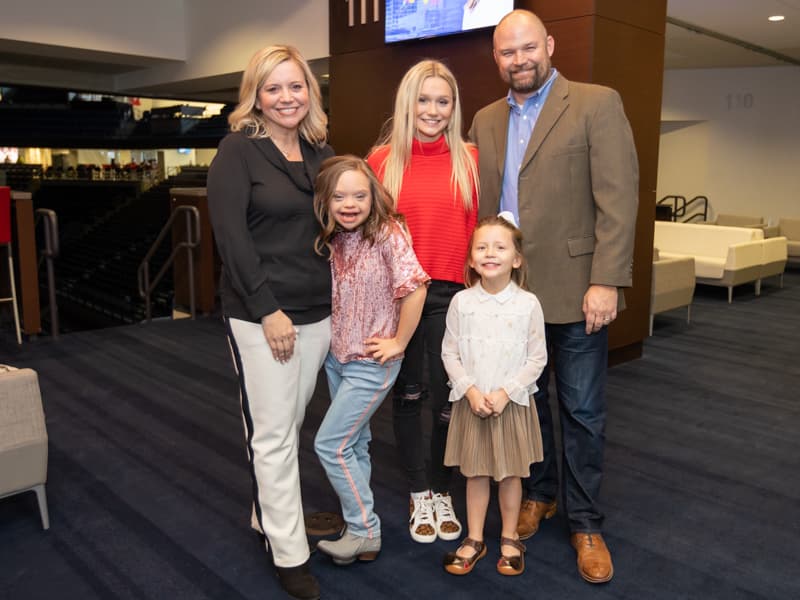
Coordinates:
[401,127]
[314,126]
[381,213]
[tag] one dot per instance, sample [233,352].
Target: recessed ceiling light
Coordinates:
[775,18]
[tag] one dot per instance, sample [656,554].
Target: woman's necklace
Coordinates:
[286,153]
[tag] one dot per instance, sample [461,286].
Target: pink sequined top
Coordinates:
[368,282]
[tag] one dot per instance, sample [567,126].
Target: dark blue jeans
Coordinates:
[579,362]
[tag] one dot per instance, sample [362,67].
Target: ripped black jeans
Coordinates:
[423,356]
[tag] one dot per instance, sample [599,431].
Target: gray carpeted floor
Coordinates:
[149,493]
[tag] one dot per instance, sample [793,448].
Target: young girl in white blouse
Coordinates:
[494,351]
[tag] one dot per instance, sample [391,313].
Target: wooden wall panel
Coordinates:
[646,15]
[620,44]
[572,55]
[25,262]
[649,14]
[363,84]
[358,37]
[631,60]
[549,11]
[205,258]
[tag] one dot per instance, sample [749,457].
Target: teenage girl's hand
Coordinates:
[478,402]
[383,349]
[498,400]
[280,335]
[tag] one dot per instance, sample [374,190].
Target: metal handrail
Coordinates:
[143,273]
[50,252]
[704,212]
[680,206]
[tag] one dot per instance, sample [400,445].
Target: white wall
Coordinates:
[99,25]
[204,156]
[211,108]
[167,41]
[733,135]
[222,36]
[172,160]
[91,157]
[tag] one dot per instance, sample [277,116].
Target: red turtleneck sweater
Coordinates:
[440,227]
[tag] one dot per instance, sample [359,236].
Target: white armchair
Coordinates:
[774,261]
[727,220]
[672,285]
[23,437]
[790,229]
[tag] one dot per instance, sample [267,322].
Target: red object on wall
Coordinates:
[5,215]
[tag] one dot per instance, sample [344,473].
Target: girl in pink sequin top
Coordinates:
[378,292]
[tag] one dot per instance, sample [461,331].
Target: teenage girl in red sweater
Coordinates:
[433,175]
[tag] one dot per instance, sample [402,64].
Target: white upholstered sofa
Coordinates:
[729,220]
[724,256]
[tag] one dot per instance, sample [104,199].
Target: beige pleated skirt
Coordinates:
[496,447]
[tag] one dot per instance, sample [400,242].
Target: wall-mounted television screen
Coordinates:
[415,19]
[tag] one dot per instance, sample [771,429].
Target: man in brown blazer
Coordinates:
[560,156]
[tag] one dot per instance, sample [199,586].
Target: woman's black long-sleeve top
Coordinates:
[261,209]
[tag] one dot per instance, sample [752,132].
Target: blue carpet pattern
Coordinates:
[149,493]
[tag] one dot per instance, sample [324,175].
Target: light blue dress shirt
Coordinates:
[521,121]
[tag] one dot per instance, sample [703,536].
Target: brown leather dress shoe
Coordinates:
[594,560]
[530,514]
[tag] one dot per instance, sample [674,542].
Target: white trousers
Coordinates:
[274,397]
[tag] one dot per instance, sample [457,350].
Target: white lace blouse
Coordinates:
[494,341]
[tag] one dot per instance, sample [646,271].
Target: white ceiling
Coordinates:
[699,34]
[742,22]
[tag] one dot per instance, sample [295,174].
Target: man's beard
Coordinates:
[531,83]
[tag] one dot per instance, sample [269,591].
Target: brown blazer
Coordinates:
[578,192]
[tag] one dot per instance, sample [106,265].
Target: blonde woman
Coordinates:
[276,291]
[431,171]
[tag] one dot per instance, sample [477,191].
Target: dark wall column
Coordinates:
[25,262]
[204,264]
[620,43]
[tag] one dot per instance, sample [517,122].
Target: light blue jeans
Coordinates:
[357,389]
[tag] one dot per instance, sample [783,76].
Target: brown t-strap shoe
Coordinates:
[458,565]
[511,565]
